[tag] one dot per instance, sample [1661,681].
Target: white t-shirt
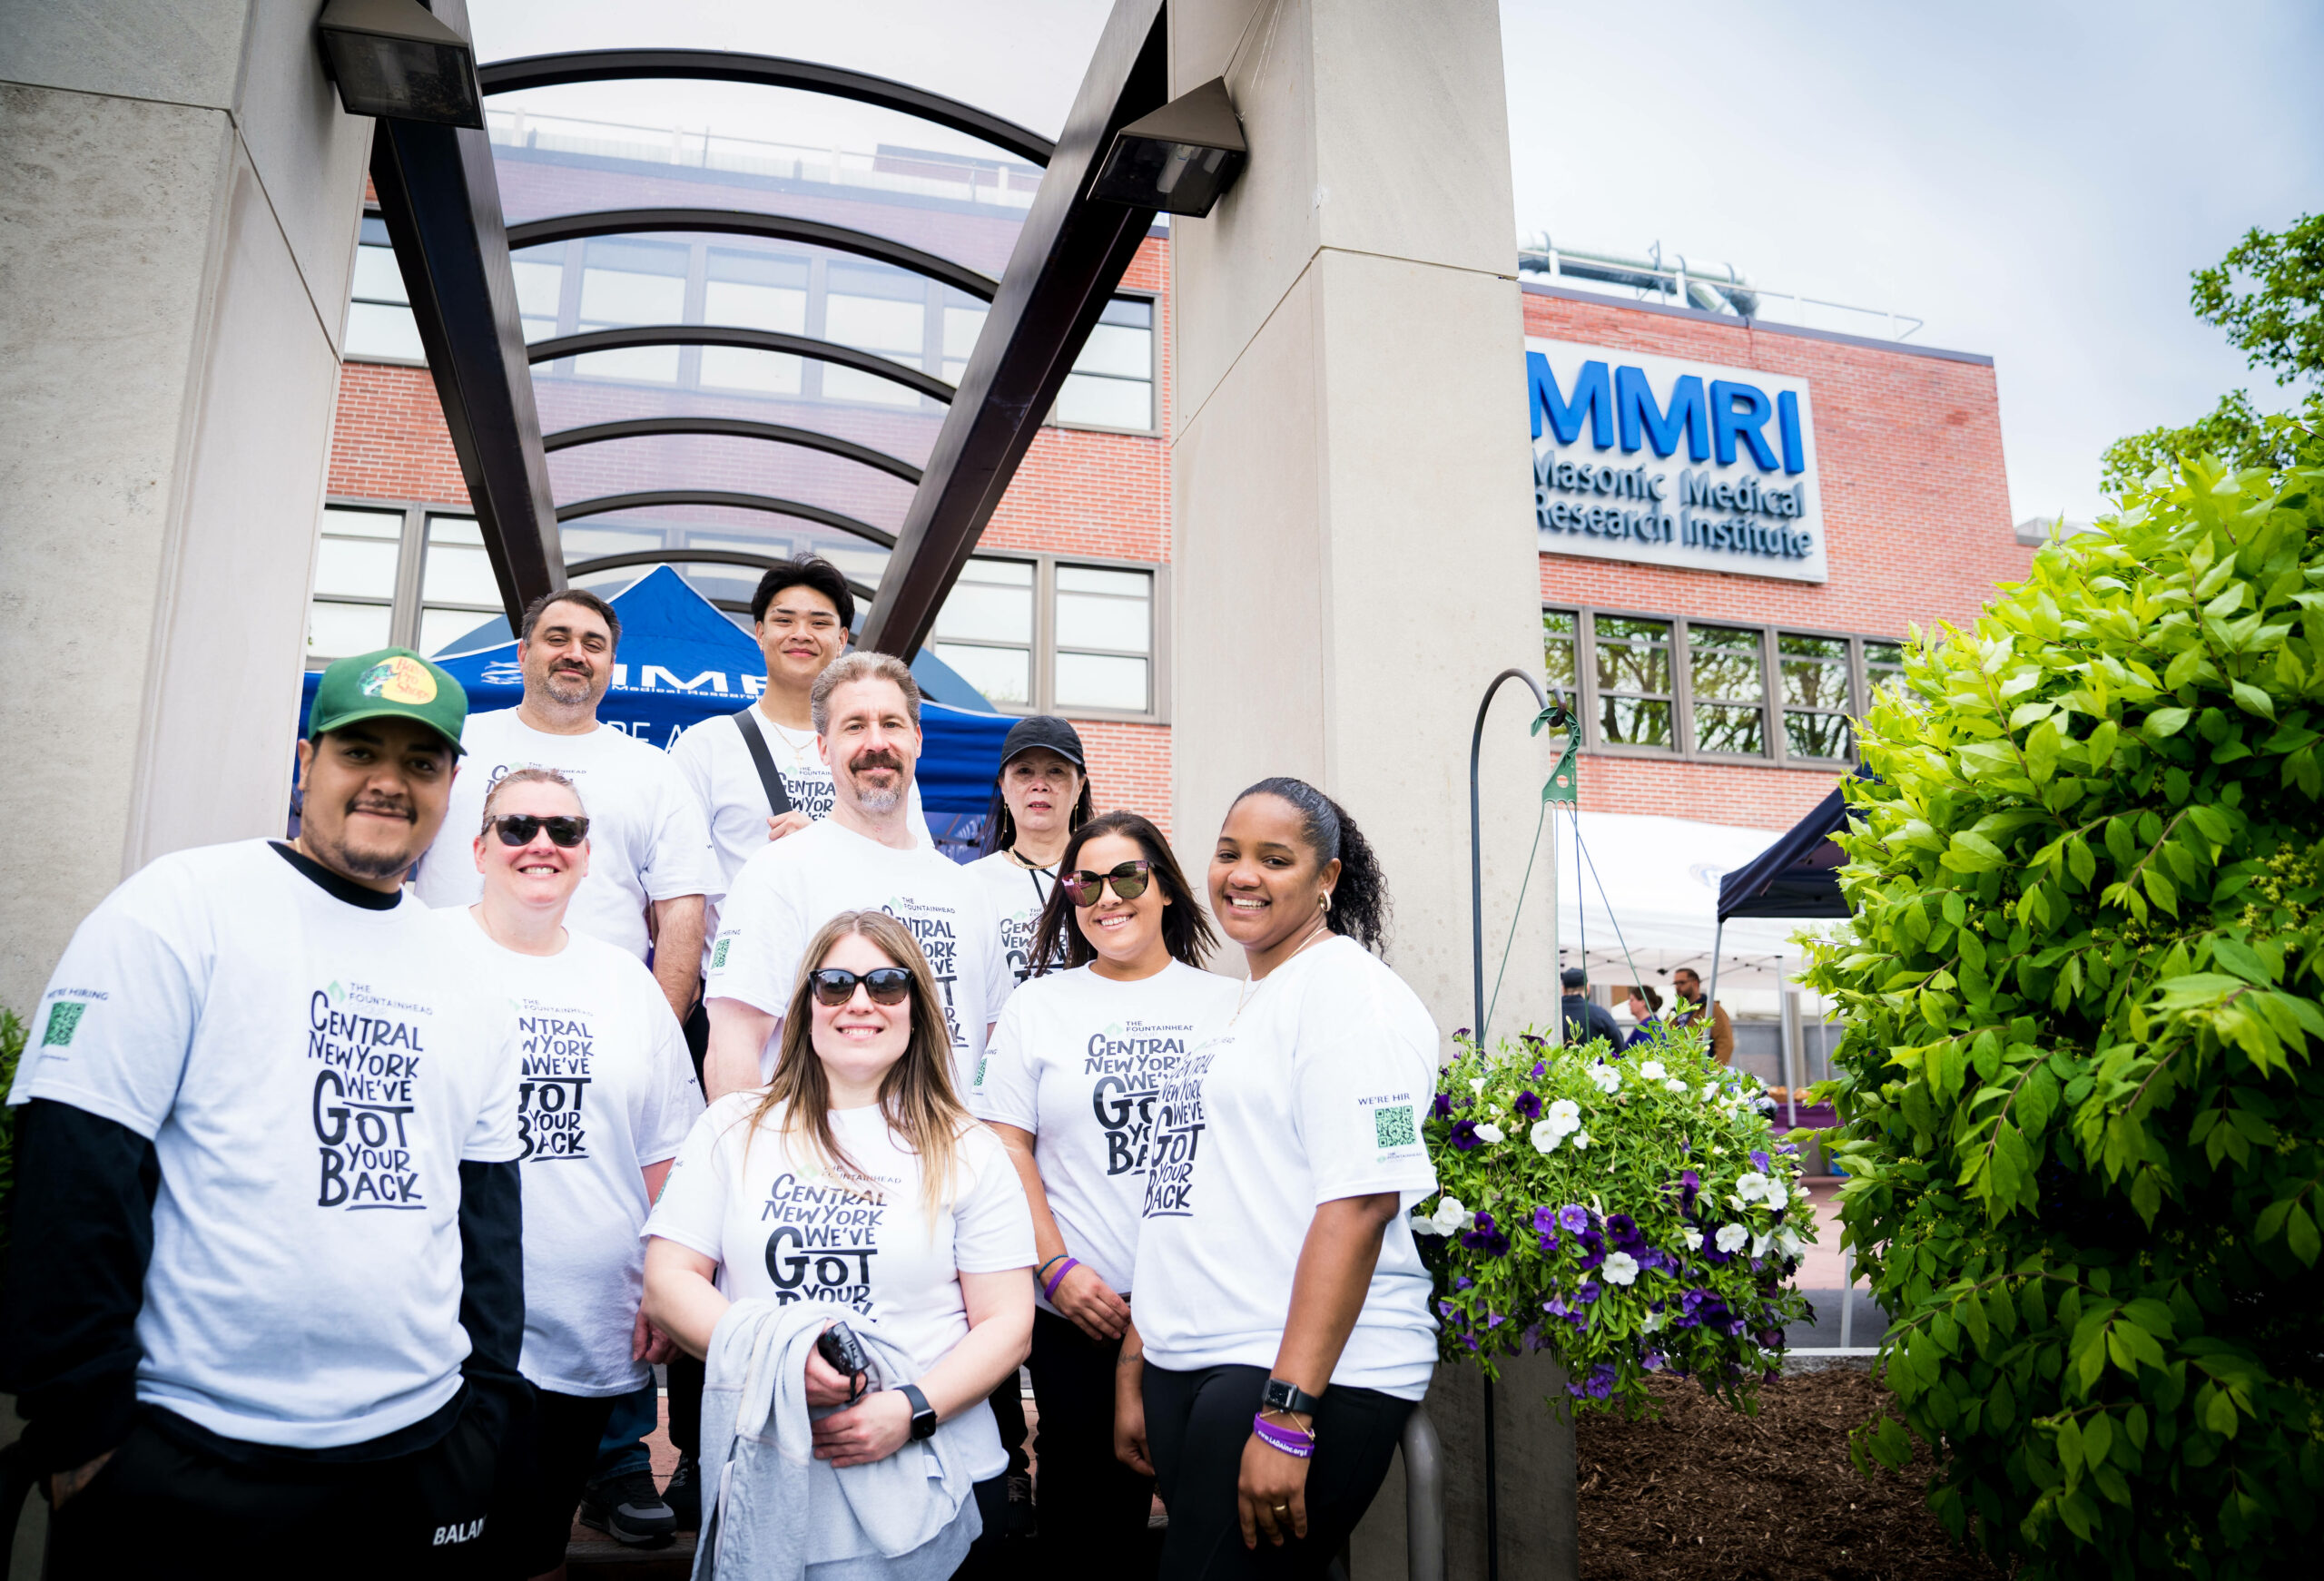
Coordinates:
[1077,1061]
[1016,895]
[718,769]
[1314,1092]
[783,1231]
[647,838]
[605,1088]
[312,1074]
[794,886]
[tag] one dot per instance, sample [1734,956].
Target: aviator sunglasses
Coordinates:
[834,986]
[518,828]
[1087,889]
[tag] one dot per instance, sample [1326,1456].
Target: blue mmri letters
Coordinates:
[1740,409]
[1592,397]
[1689,413]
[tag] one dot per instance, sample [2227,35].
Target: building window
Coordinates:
[755,290]
[1671,687]
[1727,692]
[539,272]
[457,591]
[1049,636]
[1634,694]
[379,311]
[357,558]
[879,310]
[1112,382]
[625,282]
[1814,673]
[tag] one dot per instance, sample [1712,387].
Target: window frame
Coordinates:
[1045,564]
[412,557]
[1771,709]
[347,312]
[1153,377]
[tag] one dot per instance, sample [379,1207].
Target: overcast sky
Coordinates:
[2034,178]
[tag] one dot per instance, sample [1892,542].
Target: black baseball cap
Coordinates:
[1044,730]
[1573,977]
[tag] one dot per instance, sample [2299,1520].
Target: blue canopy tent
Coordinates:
[682,662]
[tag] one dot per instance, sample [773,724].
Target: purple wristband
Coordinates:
[1298,1445]
[1067,1266]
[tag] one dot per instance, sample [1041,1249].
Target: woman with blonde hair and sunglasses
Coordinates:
[1071,1085]
[862,1132]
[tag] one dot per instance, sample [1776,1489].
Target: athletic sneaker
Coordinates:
[683,1495]
[628,1509]
[1020,1505]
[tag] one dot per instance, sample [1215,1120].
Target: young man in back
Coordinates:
[266,1295]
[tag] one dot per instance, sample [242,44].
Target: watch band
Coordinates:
[923,1415]
[1288,1397]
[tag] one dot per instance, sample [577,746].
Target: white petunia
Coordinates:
[1675,1087]
[1619,1268]
[1787,1243]
[1581,1139]
[1608,1078]
[1731,1237]
[1477,1086]
[1652,1070]
[1759,1244]
[1449,1218]
[1654,1322]
[1489,1133]
[1565,1114]
[1547,1134]
[1755,1187]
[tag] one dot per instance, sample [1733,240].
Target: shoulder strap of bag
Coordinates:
[778,796]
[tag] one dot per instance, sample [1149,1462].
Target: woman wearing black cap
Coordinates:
[1041,796]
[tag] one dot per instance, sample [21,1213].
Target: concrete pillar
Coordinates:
[182,191]
[1354,552]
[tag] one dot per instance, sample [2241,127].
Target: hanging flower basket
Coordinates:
[1629,1212]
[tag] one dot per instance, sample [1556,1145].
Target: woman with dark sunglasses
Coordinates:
[605,1093]
[1069,1084]
[856,1179]
[1282,1330]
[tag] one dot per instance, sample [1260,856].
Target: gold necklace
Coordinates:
[1249,990]
[798,754]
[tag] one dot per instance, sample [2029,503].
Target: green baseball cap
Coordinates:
[392,681]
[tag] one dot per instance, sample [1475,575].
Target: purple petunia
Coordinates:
[1539,1069]
[1442,1109]
[1574,1216]
[1529,1104]
[1486,1237]
[1652,1360]
[1464,1136]
[1760,1160]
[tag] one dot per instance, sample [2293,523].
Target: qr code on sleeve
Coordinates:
[63,1020]
[1394,1127]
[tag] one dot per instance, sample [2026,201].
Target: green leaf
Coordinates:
[2164,722]
[2301,1237]
[2097,1437]
[2219,1416]
[2251,700]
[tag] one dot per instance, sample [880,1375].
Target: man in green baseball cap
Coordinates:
[375,771]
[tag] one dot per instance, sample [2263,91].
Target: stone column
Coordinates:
[182,192]
[1354,553]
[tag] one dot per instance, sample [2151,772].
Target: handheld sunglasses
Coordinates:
[518,828]
[1129,880]
[835,986]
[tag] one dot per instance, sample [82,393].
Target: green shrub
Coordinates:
[2080,1096]
[1628,1214]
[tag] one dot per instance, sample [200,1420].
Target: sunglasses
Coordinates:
[1087,889]
[518,828]
[835,987]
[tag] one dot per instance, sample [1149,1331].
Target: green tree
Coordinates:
[2081,1101]
[2268,295]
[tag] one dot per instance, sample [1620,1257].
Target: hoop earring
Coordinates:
[1324,901]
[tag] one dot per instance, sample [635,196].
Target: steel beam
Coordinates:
[441,203]
[605,504]
[733,428]
[588,340]
[609,66]
[746,222]
[1069,257]
[690,557]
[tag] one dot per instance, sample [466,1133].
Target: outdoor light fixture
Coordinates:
[392,58]
[1181,159]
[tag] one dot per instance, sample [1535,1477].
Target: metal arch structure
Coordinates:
[1069,256]
[644,499]
[692,557]
[746,222]
[878,367]
[733,429]
[612,66]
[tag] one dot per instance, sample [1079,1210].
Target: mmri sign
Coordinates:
[1670,463]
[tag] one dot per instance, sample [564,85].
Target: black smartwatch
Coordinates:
[923,1415]
[1287,1396]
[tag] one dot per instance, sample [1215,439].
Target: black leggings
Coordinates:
[1090,1503]
[1197,1424]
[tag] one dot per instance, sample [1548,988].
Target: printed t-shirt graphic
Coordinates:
[716,765]
[791,887]
[648,842]
[1016,895]
[604,1089]
[311,1074]
[782,1230]
[1314,1092]
[1077,1060]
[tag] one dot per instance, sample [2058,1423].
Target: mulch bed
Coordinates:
[1706,1493]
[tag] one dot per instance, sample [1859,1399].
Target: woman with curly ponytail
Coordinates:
[1282,1331]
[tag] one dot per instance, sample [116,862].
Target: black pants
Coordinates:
[983,1562]
[1090,1503]
[1197,1424]
[549,1457]
[168,1505]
